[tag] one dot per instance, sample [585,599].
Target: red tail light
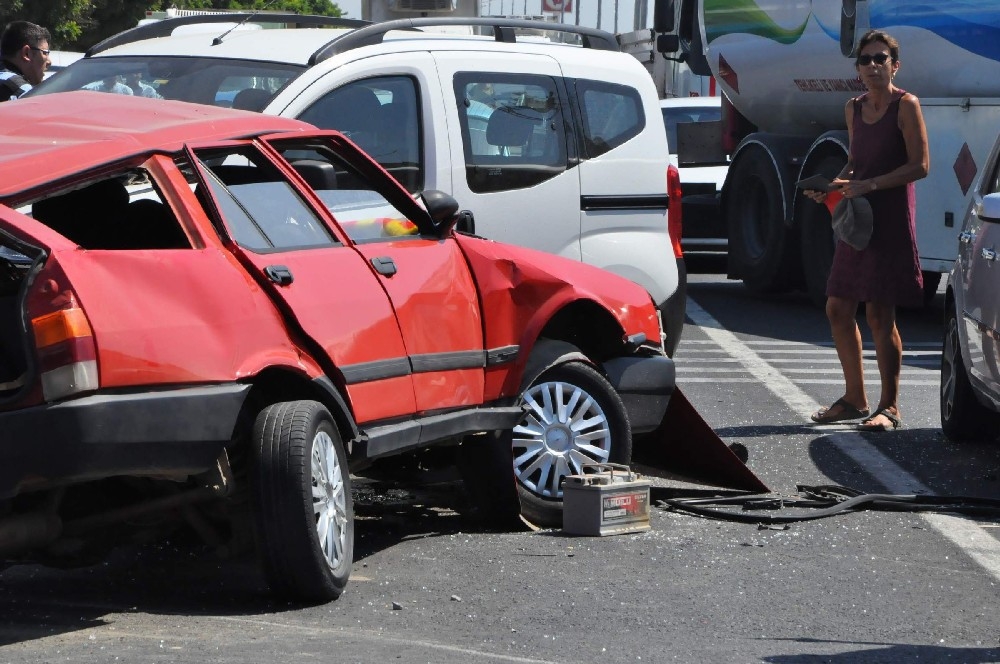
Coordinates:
[674,221]
[64,340]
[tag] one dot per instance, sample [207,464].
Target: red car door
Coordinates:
[334,304]
[427,278]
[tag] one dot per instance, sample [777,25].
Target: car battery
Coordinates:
[610,500]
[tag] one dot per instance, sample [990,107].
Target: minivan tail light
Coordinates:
[674,221]
[67,355]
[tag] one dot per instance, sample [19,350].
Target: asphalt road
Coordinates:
[429,585]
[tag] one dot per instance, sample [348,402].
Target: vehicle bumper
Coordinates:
[673,310]
[161,432]
[645,385]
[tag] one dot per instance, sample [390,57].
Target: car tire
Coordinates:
[762,249]
[574,416]
[816,233]
[963,417]
[302,505]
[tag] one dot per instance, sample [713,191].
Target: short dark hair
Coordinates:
[880,36]
[19,34]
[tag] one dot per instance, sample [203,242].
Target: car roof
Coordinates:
[309,45]
[291,46]
[51,137]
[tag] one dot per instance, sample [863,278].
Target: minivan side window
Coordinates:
[612,114]
[382,116]
[512,130]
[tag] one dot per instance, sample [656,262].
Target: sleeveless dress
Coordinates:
[888,269]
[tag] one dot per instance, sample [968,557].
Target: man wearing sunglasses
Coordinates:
[24,57]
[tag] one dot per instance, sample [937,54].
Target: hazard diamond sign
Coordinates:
[557,5]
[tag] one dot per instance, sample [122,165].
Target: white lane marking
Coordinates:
[962,532]
[362,634]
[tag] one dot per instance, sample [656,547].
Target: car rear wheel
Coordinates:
[302,505]
[574,417]
[963,418]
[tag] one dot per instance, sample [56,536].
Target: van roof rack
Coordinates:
[365,33]
[164,27]
[502,29]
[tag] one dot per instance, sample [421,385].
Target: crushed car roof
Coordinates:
[49,137]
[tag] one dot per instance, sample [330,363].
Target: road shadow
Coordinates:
[181,576]
[882,653]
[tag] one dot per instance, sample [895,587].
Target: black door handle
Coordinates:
[384,265]
[279,274]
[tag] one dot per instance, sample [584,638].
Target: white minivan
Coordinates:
[547,134]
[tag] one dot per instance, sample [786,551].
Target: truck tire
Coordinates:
[762,248]
[574,417]
[816,233]
[963,418]
[301,500]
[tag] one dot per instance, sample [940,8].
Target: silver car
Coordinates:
[970,359]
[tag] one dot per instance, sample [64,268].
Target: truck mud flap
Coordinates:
[687,448]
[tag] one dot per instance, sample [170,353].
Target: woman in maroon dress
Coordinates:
[888,152]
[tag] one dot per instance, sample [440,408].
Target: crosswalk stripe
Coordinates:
[963,533]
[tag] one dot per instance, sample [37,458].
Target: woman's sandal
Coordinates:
[848,411]
[895,421]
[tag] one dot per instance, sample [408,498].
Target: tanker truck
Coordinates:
[785,69]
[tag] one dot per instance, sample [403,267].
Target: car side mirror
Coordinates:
[466,222]
[990,210]
[443,211]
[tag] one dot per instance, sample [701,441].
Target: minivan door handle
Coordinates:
[279,274]
[384,265]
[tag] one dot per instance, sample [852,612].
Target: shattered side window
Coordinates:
[125,211]
[261,209]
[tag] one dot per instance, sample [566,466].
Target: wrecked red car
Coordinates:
[218,317]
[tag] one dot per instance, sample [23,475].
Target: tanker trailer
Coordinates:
[786,70]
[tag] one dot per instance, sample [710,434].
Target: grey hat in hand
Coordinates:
[852,221]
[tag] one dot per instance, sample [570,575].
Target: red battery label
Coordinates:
[625,506]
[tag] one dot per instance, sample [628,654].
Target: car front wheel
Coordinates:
[963,418]
[573,417]
[302,505]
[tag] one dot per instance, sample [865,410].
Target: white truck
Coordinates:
[785,70]
[672,77]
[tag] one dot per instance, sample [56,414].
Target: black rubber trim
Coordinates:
[625,202]
[427,363]
[464,359]
[502,355]
[412,434]
[377,370]
[178,431]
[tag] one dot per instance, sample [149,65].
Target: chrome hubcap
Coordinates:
[564,428]
[329,500]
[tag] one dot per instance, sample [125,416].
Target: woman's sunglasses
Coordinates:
[878,58]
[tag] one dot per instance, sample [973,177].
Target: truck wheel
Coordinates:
[963,418]
[816,235]
[761,247]
[301,499]
[574,416]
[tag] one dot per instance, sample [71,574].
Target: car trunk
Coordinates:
[16,260]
